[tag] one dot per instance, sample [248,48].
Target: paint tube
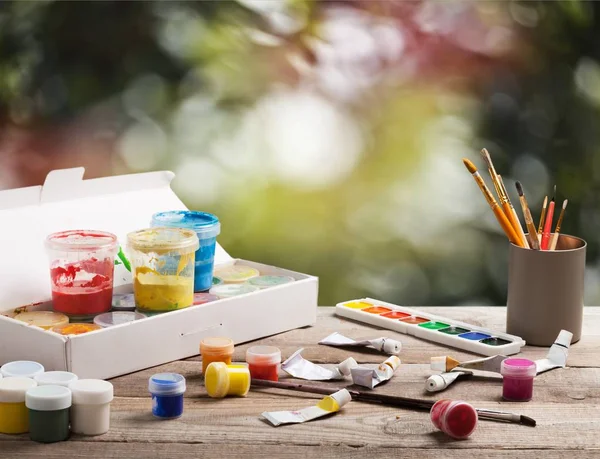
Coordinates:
[370,378]
[386,345]
[447,363]
[557,355]
[329,405]
[437,383]
[298,367]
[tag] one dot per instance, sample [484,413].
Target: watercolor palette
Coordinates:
[430,327]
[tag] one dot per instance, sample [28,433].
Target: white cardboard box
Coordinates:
[120,205]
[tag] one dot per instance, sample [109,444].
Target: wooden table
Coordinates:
[566,406]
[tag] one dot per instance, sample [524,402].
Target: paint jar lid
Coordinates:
[217,345]
[75,329]
[21,368]
[518,368]
[216,380]
[166,384]
[42,319]
[217,280]
[163,240]
[203,297]
[48,398]
[123,302]
[82,241]
[56,378]
[204,224]
[263,355]
[236,273]
[270,281]
[91,392]
[13,389]
[108,319]
[564,338]
[454,417]
[230,290]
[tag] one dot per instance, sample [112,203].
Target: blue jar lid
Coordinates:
[166,384]
[204,224]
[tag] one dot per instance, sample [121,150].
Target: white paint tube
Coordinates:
[387,345]
[557,355]
[329,405]
[437,383]
[298,367]
[370,378]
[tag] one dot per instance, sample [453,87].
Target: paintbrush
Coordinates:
[534,243]
[504,201]
[542,218]
[447,363]
[548,223]
[558,225]
[500,216]
[519,228]
[392,400]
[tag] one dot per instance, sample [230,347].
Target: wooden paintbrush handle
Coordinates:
[506,226]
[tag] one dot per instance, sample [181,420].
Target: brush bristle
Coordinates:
[519,188]
[545,202]
[565,203]
[554,193]
[486,156]
[469,165]
[527,421]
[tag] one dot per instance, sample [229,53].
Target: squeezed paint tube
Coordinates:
[437,383]
[386,345]
[492,363]
[298,367]
[370,378]
[557,355]
[329,405]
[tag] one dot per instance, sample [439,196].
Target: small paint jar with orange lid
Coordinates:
[215,350]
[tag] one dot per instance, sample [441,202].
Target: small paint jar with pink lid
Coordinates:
[517,383]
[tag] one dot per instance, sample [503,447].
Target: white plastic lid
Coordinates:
[91,392]
[229,290]
[55,378]
[166,384]
[48,398]
[22,368]
[123,302]
[564,338]
[108,319]
[13,389]
[263,355]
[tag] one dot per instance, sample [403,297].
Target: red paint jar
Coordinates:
[455,418]
[81,272]
[264,362]
[517,379]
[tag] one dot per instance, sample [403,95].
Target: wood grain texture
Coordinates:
[566,406]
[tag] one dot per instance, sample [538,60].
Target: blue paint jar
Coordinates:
[207,227]
[167,391]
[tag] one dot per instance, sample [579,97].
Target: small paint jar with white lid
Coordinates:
[14,418]
[21,369]
[48,413]
[55,378]
[90,412]
[263,362]
[167,391]
[517,379]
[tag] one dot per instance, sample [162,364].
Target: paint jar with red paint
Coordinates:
[517,379]
[455,418]
[81,272]
[264,362]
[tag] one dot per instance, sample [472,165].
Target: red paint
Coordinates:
[267,372]
[395,315]
[548,226]
[455,418]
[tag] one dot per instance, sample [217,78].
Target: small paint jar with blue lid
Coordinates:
[167,391]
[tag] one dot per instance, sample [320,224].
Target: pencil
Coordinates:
[542,217]
[504,223]
[548,223]
[515,219]
[532,233]
[558,225]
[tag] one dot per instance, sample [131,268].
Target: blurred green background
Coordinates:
[327,136]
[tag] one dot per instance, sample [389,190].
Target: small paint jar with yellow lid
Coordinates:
[215,350]
[43,319]
[162,264]
[14,417]
[222,380]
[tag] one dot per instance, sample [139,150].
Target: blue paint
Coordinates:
[167,391]
[207,227]
[474,336]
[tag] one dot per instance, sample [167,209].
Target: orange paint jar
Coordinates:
[215,350]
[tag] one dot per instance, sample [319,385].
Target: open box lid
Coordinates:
[118,204]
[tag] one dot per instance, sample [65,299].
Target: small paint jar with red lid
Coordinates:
[82,271]
[264,362]
[455,418]
[517,379]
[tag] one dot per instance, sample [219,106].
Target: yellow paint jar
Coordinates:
[222,379]
[14,417]
[162,264]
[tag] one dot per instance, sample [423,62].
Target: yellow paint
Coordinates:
[222,379]
[14,418]
[75,329]
[329,404]
[156,292]
[358,305]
